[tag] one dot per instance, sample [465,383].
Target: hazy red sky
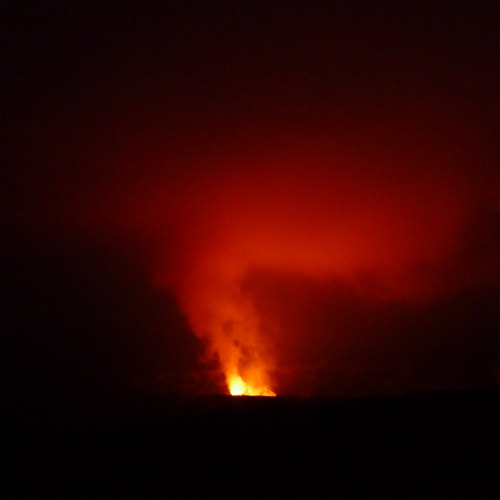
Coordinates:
[312,187]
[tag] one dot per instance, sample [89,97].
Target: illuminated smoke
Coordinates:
[320,215]
[319,148]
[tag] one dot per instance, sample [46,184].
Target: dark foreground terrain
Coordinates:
[432,445]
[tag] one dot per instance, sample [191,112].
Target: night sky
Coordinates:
[301,193]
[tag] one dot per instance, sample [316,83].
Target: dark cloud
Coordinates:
[329,337]
[80,319]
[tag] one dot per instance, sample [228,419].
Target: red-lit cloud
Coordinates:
[390,225]
[317,185]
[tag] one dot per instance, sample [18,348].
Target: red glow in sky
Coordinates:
[384,224]
[317,185]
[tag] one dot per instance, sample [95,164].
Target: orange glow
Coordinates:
[238,387]
[317,212]
[293,200]
[305,220]
[217,310]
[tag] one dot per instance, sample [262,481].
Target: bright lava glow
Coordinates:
[238,387]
